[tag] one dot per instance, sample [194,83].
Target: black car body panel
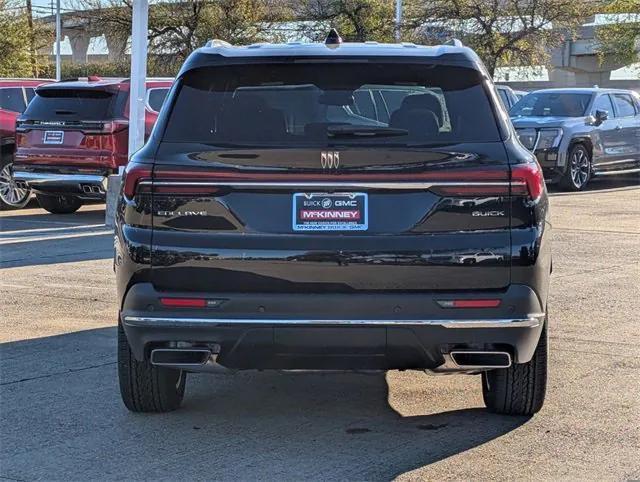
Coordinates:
[208,254]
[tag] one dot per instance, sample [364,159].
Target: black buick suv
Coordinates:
[333,206]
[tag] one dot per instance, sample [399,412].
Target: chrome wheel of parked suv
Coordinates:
[579,168]
[12,196]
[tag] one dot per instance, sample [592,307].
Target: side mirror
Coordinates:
[601,116]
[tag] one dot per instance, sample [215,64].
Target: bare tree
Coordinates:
[355,20]
[502,32]
[619,39]
[21,41]
[176,28]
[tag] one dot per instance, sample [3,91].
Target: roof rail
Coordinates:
[455,42]
[216,42]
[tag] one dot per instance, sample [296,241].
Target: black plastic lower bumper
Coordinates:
[375,331]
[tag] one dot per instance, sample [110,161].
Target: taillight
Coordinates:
[527,180]
[115,126]
[472,183]
[21,139]
[133,175]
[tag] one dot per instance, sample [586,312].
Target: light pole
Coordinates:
[398,20]
[139,32]
[58,29]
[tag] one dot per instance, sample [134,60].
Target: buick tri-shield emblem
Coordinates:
[330,159]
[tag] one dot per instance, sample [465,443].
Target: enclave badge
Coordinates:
[181,213]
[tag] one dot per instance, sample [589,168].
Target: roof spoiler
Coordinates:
[217,43]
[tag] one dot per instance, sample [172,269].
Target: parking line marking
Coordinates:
[52,238]
[55,285]
[35,221]
[42,230]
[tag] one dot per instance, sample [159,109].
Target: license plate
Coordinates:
[330,212]
[53,137]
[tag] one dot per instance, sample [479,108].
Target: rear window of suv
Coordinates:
[331,103]
[76,104]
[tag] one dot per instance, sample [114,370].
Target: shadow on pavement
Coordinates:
[600,184]
[62,418]
[31,238]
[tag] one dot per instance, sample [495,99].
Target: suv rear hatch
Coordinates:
[326,177]
[76,125]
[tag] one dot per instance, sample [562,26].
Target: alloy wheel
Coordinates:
[10,193]
[579,167]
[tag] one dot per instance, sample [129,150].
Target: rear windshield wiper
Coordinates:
[359,131]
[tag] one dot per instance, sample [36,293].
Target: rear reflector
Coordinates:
[469,303]
[184,302]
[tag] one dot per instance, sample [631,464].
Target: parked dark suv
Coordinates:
[273,221]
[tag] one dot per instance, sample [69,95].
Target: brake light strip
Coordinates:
[337,185]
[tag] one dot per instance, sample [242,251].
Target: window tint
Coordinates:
[363,104]
[76,104]
[330,104]
[381,107]
[12,98]
[504,97]
[625,106]
[30,92]
[603,102]
[156,97]
[558,104]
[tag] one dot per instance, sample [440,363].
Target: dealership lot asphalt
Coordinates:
[61,415]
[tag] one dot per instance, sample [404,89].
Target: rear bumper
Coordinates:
[376,340]
[90,186]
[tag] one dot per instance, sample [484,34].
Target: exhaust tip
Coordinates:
[481,359]
[180,356]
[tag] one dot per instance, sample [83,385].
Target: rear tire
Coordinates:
[578,173]
[519,389]
[11,196]
[59,204]
[145,387]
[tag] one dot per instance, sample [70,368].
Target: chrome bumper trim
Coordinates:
[532,321]
[38,178]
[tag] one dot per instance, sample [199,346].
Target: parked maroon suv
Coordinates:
[15,95]
[73,135]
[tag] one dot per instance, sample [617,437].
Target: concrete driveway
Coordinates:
[61,416]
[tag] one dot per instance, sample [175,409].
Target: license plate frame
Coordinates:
[53,137]
[330,212]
